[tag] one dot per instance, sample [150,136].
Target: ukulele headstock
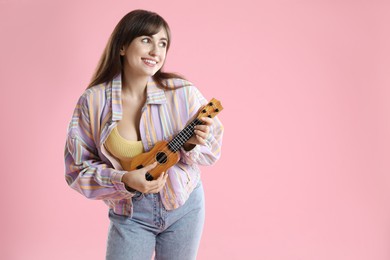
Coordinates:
[212,108]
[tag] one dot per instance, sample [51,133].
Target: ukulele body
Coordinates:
[161,154]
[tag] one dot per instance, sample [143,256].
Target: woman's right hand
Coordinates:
[137,181]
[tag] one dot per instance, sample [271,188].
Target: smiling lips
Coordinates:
[149,62]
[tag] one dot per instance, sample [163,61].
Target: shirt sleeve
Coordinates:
[209,153]
[85,172]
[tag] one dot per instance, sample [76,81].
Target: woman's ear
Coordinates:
[122,51]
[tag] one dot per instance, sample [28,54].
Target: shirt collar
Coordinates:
[154,95]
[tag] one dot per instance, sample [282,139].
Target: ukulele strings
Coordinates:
[195,122]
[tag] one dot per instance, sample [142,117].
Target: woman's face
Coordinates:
[146,54]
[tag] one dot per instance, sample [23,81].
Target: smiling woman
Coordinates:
[140,24]
[129,106]
[145,55]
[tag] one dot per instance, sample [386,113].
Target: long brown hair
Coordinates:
[132,25]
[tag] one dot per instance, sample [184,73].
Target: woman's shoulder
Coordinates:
[93,92]
[180,85]
[176,83]
[183,88]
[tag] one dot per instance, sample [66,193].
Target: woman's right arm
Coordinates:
[86,173]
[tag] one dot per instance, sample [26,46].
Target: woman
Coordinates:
[130,105]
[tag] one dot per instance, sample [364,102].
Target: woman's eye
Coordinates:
[145,40]
[163,44]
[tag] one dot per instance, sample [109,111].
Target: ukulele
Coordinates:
[166,153]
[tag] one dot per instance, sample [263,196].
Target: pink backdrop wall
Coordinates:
[306,89]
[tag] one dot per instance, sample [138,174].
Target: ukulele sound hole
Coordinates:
[161,157]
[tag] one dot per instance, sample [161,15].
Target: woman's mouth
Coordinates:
[149,62]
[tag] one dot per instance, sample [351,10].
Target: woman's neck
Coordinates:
[134,86]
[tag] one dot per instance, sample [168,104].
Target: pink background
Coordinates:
[304,173]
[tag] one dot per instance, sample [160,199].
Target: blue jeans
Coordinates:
[170,235]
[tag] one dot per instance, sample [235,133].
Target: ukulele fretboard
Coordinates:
[183,136]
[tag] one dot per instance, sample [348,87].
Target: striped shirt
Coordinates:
[93,172]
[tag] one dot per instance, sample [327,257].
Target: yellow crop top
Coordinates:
[123,149]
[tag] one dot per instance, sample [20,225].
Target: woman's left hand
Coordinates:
[200,134]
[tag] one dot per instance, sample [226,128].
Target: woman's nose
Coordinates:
[154,50]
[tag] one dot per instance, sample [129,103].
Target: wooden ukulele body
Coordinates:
[161,154]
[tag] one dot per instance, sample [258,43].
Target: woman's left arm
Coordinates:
[204,148]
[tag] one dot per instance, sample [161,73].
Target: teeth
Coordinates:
[150,61]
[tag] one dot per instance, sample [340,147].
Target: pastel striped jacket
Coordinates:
[93,172]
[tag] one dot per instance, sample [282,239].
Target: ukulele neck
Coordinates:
[184,135]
